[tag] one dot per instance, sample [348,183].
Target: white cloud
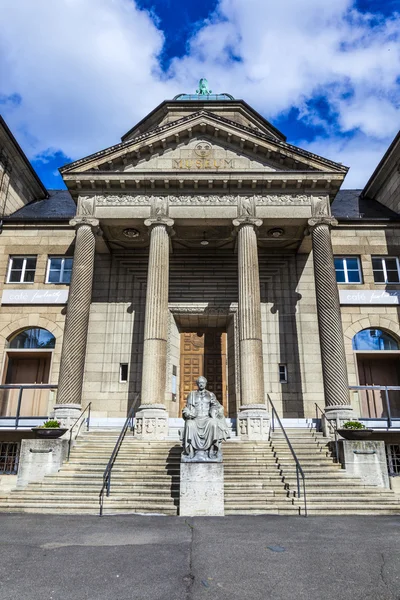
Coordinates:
[87,70]
[360,153]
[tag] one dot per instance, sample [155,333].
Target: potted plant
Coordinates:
[51,429]
[354,430]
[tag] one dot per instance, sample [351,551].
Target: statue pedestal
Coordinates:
[202,489]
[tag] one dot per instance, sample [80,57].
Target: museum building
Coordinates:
[201,244]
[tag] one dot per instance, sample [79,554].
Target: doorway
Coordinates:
[379,368]
[26,368]
[203,352]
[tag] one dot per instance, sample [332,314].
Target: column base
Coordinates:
[339,413]
[253,422]
[67,413]
[151,422]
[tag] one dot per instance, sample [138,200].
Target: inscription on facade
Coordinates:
[369,297]
[203,163]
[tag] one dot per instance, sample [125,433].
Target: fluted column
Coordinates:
[73,351]
[253,416]
[152,417]
[333,356]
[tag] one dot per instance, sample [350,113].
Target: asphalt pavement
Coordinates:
[49,557]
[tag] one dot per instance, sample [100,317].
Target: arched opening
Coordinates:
[28,362]
[378,364]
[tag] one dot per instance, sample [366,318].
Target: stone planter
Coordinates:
[48,433]
[355,434]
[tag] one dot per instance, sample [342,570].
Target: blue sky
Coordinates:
[75,75]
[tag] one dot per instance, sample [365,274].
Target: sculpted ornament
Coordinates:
[205,426]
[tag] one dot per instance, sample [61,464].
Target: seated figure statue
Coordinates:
[205,425]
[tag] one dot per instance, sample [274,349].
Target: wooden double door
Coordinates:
[203,352]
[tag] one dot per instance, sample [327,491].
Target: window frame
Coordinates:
[121,367]
[346,270]
[25,258]
[283,373]
[383,260]
[63,259]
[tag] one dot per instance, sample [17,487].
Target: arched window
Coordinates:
[374,339]
[32,338]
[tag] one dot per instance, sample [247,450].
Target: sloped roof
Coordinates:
[350,205]
[59,206]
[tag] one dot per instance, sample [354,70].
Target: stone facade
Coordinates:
[200,183]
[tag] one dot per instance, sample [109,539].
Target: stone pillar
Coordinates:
[253,417]
[333,356]
[73,351]
[152,416]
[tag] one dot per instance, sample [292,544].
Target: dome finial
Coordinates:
[203,88]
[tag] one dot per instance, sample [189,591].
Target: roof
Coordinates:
[390,156]
[59,206]
[23,156]
[350,205]
[162,109]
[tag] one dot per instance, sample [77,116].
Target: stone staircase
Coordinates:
[260,478]
[329,490]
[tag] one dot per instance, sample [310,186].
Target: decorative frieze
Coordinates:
[245,202]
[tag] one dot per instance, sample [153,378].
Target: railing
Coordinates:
[80,418]
[21,387]
[106,487]
[332,425]
[382,388]
[299,470]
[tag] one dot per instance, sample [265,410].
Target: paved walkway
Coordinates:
[170,558]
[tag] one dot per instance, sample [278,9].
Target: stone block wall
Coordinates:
[46,241]
[366,242]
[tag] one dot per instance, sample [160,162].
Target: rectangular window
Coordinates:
[393,459]
[123,372]
[283,378]
[386,269]
[9,458]
[59,269]
[21,269]
[348,269]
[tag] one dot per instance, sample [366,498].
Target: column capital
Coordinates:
[316,221]
[241,221]
[166,221]
[90,221]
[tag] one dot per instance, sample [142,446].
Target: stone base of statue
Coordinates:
[253,422]
[151,422]
[201,488]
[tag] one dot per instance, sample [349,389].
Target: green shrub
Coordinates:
[51,424]
[353,425]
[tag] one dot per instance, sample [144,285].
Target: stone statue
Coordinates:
[205,425]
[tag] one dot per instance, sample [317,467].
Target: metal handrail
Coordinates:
[21,388]
[332,424]
[299,469]
[386,389]
[88,409]
[107,472]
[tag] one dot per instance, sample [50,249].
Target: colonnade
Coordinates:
[253,417]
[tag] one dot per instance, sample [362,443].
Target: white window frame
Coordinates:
[383,259]
[346,272]
[120,372]
[24,258]
[282,369]
[63,258]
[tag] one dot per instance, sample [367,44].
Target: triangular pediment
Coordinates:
[205,142]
